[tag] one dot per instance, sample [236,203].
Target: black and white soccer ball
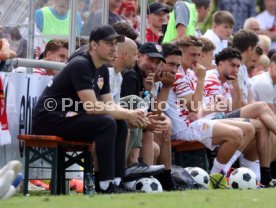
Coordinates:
[148,185]
[200,176]
[243,178]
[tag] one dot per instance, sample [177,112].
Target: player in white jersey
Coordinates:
[216,86]
[184,101]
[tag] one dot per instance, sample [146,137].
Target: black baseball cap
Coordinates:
[153,50]
[157,7]
[105,32]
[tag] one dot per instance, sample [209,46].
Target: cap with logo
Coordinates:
[105,32]
[157,7]
[153,50]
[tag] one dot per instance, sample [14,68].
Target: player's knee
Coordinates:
[236,137]
[262,106]
[156,149]
[249,130]
[109,122]
[122,124]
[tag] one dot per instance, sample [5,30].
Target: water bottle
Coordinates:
[147,100]
[88,184]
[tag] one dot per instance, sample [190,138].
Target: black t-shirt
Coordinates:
[80,73]
[132,82]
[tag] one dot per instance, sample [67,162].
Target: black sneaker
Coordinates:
[127,190]
[142,170]
[115,189]
[112,189]
[271,184]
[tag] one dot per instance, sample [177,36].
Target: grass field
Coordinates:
[186,199]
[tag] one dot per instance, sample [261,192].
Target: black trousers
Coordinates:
[109,136]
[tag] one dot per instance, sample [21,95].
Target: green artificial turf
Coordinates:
[185,199]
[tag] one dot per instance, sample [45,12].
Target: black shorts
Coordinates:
[233,114]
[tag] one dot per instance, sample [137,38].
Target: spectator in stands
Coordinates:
[55,20]
[217,84]
[156,18]
[245,41]
[207,55]
[55,50]
[95,19]
[123,28]
[267,20]
[5,51]
[263,64]
[264,43]
[221,31]
[184,18]
[128,11]
[252,23]
[18,43]
[85,78]
[271,53]
[255,59]
[184,102]
[240,9]
[264,85]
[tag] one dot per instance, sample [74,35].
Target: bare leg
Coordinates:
[165,151]
[262,111]
[273,147]
[147,148]
[133,156]
[156,152]
[246,127]
[229,138]
[263,143]
[250,152]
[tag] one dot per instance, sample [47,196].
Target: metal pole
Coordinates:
[73,26]
[30,49]
[32,63]
[143,14]
[105,8]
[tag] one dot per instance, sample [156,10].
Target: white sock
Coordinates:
[104,184]
[257,170]
[217,167]
[231,161]
[253,165]
[117,181]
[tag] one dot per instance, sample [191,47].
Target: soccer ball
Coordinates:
[148,185]
[200,176]
[189,169]
[242,178]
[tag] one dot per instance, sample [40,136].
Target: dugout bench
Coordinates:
[60,154]
[189,154]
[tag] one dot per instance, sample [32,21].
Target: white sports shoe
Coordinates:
[6,180]
[9,178]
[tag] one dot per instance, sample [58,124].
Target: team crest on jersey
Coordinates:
[50,83]
[100,82]
[205,126]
